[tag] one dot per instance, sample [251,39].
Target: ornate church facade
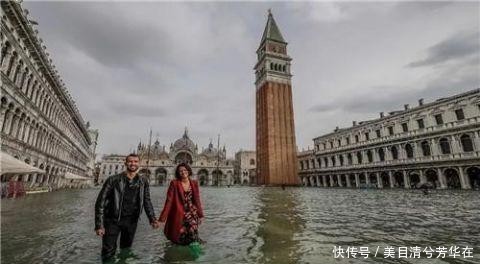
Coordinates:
[210,166]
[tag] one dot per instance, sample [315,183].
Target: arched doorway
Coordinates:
[160,176]
[453,179]
[217,176]
[398,180]
[414,180]
[203,177]
[305,181]
[362,179]
[327,180]
[474,177]
[313,181]
[353,181]
[335,180]
[373,180]
[385,180]
[432,178]
[343,180]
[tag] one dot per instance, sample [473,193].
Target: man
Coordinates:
[119,205]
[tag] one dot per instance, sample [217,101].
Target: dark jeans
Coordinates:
[126,228]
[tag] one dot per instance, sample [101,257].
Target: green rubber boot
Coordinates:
[195,249]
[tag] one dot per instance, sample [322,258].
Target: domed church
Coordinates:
[210,166]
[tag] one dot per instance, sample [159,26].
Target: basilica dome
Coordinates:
[184,143]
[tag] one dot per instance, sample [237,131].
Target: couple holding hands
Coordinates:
[123,196]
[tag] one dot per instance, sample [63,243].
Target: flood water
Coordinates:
[253,225]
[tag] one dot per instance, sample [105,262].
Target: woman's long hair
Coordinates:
[177,170]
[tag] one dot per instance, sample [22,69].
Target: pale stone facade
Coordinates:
[435,145]
[40,123]
[275,129]
[245,167]
[110,165]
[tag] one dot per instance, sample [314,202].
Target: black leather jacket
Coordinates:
[110,198]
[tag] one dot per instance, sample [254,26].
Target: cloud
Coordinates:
[458,46]
[323,12]
[166,65]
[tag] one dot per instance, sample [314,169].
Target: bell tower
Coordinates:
[275,129]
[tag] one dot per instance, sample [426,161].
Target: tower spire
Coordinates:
[271,31]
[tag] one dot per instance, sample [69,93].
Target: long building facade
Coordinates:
[40,123]
[434,145]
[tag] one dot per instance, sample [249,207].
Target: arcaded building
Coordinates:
[432,145]
[275,128]
[40,123]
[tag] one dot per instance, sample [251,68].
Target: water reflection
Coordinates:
[280,222]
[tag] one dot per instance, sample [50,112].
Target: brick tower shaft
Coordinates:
[275,129]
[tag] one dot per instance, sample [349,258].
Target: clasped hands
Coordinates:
[156,224]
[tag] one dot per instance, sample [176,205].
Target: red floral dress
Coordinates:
[189,229]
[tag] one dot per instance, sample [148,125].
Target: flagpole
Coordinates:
[148,153]
[218,160]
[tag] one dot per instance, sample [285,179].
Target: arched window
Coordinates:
[252,162]
[17,72]
[394,152]
[381,154]
[409,151]
[426,148]
[271,65]
[10,64]
[284,68]
[341,160]
[445,146]
[359,157]
[349,158]
[23,77]
[5,50]
[467,144]
[325,160]
[301,165]
[333,161]
[369,156]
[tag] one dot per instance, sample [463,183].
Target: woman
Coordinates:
[183,210]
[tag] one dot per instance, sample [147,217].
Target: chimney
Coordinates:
[382,115]
[354,123]
[420,101]
[406,106]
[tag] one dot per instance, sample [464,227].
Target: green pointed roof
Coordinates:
[271,30]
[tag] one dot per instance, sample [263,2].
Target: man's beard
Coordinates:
[133,169]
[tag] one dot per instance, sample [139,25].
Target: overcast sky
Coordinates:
[135,65]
